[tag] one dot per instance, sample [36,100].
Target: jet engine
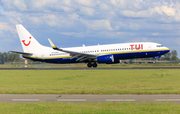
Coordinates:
[105,59]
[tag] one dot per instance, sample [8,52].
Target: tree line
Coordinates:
[170,56]
[8,57]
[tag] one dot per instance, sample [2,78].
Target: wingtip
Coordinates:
[52,44]
[18,25]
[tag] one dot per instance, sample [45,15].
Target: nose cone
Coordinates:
[167,50]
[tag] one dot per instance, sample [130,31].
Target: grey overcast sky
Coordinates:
[72,23]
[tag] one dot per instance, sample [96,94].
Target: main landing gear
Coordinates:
[92,65]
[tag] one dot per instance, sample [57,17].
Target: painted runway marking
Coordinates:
[71,100]
[166,100]
[120,100]
[25,100]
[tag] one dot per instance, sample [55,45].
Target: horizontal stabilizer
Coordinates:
[23,53]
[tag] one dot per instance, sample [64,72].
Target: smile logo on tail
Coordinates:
[27,43]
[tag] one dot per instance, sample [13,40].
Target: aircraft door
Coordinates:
[43,55]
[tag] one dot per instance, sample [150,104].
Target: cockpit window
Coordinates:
[160,46]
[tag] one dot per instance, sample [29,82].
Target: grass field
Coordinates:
[102,108]
[90,82]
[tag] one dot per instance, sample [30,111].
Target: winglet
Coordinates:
[52,44]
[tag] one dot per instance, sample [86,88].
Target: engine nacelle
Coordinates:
[157,57]
[105,59]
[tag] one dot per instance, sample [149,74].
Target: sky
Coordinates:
[71,23]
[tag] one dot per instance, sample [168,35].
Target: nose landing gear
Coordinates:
[92,65]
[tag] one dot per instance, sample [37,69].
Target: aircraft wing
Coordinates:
[23,53]
[80,56]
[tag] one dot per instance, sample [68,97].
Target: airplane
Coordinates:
[101,54]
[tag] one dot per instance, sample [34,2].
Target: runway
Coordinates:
[85,68]
[20,98]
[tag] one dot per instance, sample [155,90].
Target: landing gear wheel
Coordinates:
[94,65]
[89,65]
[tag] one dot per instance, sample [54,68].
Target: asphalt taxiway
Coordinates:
[85,68]
[21,98]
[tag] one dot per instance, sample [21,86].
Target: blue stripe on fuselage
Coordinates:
[139,55]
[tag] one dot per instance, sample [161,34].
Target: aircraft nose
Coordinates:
[167,49]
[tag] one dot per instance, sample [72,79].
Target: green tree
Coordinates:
[10,57]
[174,55]
[167,56]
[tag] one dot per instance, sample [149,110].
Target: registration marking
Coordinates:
[120,100]
[166,100]
[25,100]
[71,100]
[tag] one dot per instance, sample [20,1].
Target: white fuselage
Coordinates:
[122,48]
